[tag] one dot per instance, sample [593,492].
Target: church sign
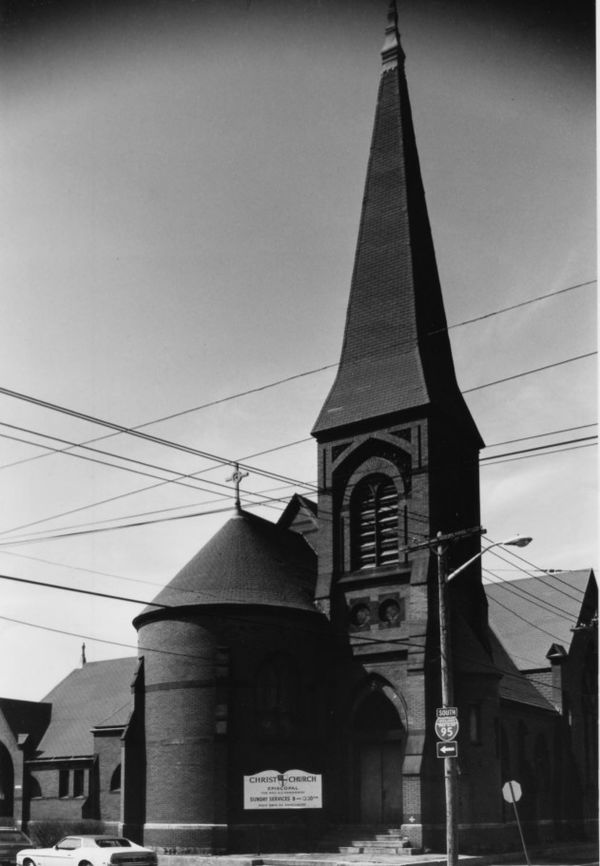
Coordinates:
[294,789]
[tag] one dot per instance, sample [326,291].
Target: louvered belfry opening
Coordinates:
[375,523]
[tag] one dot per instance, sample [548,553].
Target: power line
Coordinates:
[524,619]
[57,536]
[513,587]
[529,372]
[539,447]
[268,502]
[177,480]
[295,376]
[554,580]
[515,306]
[540,454]
[157,440]
[161,483]
[541,435]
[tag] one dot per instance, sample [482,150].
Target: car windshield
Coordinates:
[12,836]
[106,842]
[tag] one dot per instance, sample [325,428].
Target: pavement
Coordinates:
[557,855]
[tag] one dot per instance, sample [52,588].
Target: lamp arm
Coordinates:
[470,561]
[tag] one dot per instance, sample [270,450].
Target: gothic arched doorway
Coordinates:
[378,739]
[7,776]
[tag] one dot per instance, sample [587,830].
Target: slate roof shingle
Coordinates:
[248,561]
[88,697]
[531,614]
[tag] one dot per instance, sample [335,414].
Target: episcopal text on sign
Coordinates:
[294,789]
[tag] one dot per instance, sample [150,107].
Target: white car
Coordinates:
[89,851]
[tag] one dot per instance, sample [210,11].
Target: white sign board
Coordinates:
[294,789]
[512,791]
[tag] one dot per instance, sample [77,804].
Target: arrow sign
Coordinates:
[447,750]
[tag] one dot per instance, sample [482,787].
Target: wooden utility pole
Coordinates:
[447,701]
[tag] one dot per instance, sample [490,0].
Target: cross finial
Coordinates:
[237,477]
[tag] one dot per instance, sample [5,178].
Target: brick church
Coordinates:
[313,643]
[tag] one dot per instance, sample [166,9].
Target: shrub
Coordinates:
[44,834]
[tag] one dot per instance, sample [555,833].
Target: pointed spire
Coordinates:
[396,354]
[392,53]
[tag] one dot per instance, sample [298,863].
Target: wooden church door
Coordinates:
[381,783]
[379,754]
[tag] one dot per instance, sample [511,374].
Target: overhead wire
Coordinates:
[517,305]
[541,435]
[529,372]
[487,465]
[555,579]
[513,587]
[315,370]
[266,501]
[524,619]
[156,440]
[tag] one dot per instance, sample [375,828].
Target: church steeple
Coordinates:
[398,449]
[396,354]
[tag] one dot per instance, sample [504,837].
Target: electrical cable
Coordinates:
[513,587]
[529,372]
[541,454]
[541,435]
[540,447]
[528,621]
[537,569]
[305,373]
[156,440]
[135,431]
[515,306]
[275,503]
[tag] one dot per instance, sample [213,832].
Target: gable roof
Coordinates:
[529,615]
[514,686]
[88,697]
[25,717]
[249,561]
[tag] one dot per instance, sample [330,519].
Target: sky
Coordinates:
[181,191]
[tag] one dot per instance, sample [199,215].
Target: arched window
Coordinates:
[115,779]
[35,789]
[277,696]
[375,522]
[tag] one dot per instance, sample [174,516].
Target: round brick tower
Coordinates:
[234,682]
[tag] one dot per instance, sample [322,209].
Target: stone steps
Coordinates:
[369,841]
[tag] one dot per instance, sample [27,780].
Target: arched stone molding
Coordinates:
[376,737]
[376,683]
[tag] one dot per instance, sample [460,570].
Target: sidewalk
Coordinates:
[555,855]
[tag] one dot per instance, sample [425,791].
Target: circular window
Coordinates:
[360,615]
[389,612]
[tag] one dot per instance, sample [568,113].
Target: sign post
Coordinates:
[446,729]
[511,791]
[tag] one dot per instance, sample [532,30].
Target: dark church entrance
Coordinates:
[6,782]
[379,750]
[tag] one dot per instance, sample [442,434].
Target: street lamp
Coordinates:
[446,675]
